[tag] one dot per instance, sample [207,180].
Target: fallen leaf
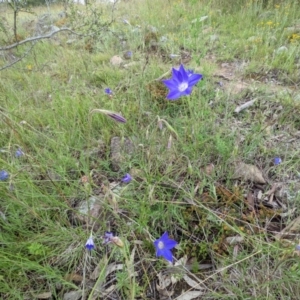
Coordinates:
[101,265]
[250,200]
[233,240]
[190,295]
[192,283]
[45,295]
[163,282]
[73,295]
[290,231]
[74,277]
[248,172]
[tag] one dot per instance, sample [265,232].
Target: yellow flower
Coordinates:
[294,38]
[29,67]
[269,23]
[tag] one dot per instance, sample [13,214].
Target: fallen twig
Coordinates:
[244,106]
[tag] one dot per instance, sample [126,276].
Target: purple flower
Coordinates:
[90,244]
[163,247]
[277,161]
[110,114]
[128,54]
[117,117]
[110,238]
[108,91]
[297,248]
[126,22]
[181,83]
[19,153]
[3,175]
[127,178]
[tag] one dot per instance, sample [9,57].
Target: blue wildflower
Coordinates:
[127,178]
[128,55]
[164,245]
[181,83]
[297,248]
[3,175]
[277,161]
[90,244]
[19,153]
[110,238]
[108,91]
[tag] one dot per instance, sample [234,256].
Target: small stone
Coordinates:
[282,49]
[116,60]
[214,38]
[89,210]
[119,149]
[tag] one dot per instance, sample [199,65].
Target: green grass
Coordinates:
[45,105]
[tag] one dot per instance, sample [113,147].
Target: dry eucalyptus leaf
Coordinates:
[190,295]
[248,172]
[163,282]
[113,267]
[74,277]
[182,261]
[290,231]
[73,295]
[177,269]
[192,283]
[97,271]
[109,290]
[250,200]
[233,240]
[45,295]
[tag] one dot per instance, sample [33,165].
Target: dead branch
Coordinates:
[17,60]
[40,37]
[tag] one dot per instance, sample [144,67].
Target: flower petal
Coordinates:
[169,244]
[167,254]
[165,236]
[174,94]
[175,73]
[183,73]
[188,91]
[171,84]
[194,78]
